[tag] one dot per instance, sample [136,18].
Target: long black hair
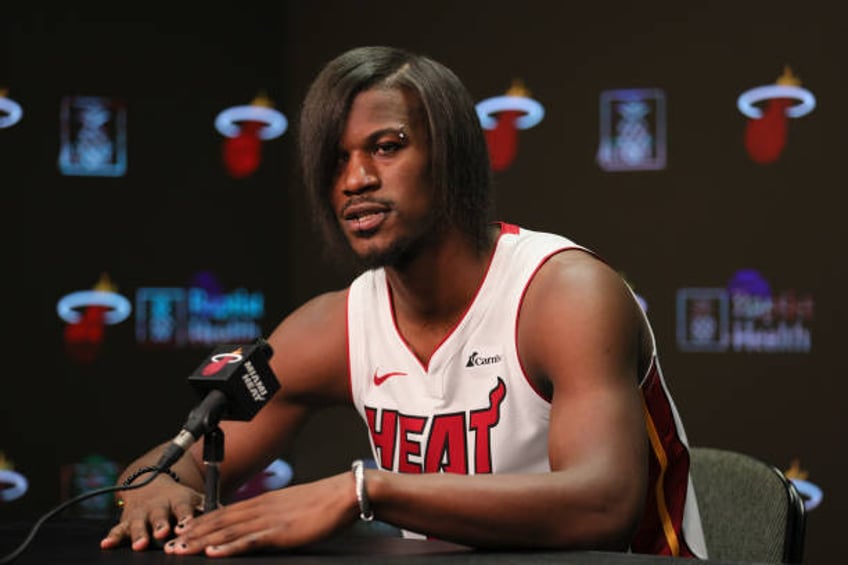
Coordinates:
[459,159]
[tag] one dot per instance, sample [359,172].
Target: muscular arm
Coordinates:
[579,338]
[311,363]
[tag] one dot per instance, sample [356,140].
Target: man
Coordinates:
[508,378]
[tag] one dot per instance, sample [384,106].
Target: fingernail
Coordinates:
[170,544]
[160,526]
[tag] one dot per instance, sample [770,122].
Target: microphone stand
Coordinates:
[213,454]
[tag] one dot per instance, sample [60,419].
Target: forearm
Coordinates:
[562,509]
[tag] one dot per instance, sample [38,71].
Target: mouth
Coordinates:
[364,218]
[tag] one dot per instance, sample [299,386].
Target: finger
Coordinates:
[198,523]
[138,533]
[244,544]
[185,511]
[114,537]
[160,522]
[227,541]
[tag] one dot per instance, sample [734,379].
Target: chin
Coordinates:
[395,254]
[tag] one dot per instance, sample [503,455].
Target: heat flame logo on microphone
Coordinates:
[221,360]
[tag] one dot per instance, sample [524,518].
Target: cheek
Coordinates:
[335,198]
[417,178]
[422,198]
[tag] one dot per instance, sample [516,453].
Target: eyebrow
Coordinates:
[400,131]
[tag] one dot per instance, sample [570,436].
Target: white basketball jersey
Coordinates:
[471,409]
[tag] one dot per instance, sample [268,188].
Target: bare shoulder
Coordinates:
[578,309]
[310,350]
[576,278]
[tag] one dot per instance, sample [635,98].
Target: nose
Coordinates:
[359,175]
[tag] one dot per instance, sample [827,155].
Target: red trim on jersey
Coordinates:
[426,365]
[660,531]
[510,229]
[518,315]
[347,340]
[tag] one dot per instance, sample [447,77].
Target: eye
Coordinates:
[387,147]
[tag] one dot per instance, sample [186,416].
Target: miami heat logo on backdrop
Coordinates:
[766,130]
[245,127]
[87,313]
[502,117]
[10,111]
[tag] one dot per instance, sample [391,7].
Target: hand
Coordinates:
[285,518]
[151,508]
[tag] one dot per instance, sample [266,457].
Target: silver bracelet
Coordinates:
[365,512]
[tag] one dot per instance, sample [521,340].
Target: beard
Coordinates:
[399,253]
[402,250]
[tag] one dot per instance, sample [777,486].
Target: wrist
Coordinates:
[131,478]
[144,472]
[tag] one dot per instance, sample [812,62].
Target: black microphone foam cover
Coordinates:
[242,373]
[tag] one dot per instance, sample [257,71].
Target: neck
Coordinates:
[436,287]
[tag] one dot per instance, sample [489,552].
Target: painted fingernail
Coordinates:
[170,544]
[160,526]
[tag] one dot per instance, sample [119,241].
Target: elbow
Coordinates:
[608,523]
[624,519]
[615,532]
[612,529]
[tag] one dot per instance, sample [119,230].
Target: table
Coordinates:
[66,541]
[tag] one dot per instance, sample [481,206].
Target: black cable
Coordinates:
[79,498]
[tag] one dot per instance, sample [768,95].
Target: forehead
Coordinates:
[379,108]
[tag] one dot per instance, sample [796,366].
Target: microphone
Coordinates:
[235,382]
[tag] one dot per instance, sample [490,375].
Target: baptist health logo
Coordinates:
[746,316]
[195,316]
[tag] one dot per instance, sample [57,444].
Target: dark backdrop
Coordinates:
[709,213]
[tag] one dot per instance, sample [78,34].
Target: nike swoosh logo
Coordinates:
[380,379]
